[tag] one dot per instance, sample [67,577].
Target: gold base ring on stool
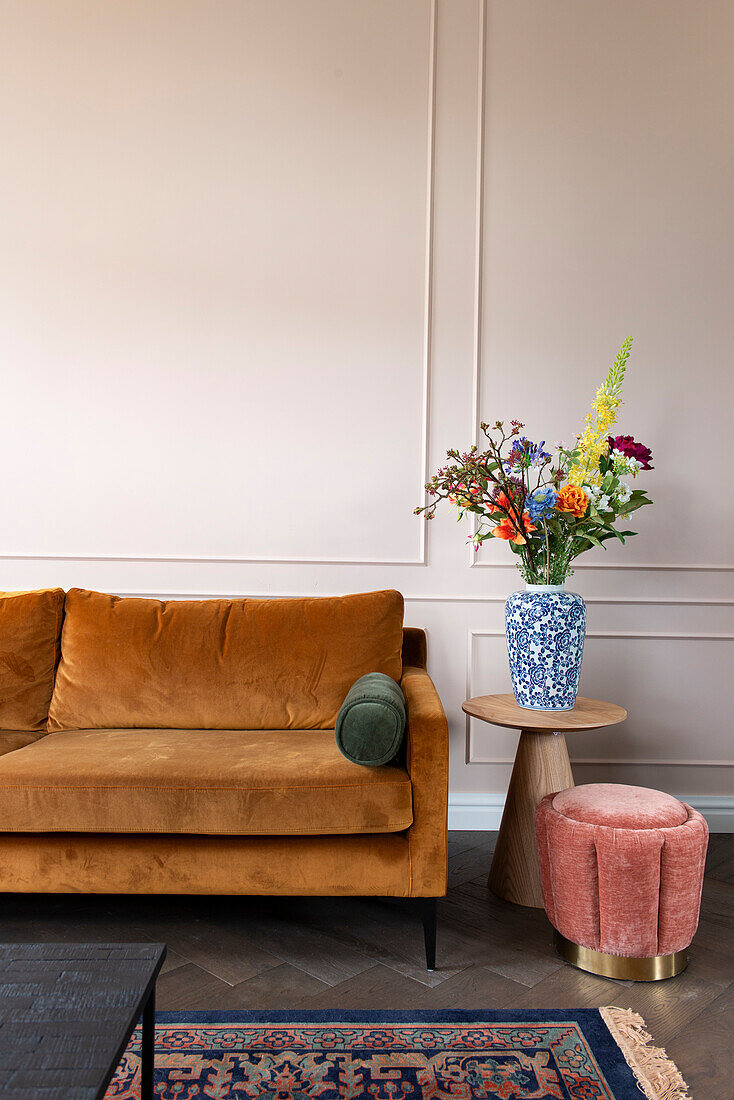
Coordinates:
[654,968]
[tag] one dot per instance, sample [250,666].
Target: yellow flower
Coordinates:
[593,442]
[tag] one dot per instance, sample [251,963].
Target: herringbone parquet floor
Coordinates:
[360,953]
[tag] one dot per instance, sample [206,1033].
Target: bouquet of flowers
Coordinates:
[549,506]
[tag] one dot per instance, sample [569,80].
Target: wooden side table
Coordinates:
[541,767]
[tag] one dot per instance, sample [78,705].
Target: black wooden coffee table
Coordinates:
[67,1011]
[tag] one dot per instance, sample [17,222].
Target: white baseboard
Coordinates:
[483,812]
[475,812]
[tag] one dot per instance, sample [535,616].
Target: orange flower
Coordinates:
[503,503]
[573,499]
[507,528]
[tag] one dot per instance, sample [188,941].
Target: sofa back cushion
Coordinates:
[219,664]
[30,628]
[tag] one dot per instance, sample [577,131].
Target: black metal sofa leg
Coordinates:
[429,912]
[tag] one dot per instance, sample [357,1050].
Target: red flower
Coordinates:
[630,449]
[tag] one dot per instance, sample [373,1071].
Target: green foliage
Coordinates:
[615,378]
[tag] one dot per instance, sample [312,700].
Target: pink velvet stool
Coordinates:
[622,871]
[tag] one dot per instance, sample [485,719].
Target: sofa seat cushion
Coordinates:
[10,740]
[228,782]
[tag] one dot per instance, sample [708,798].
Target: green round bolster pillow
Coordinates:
[371,722]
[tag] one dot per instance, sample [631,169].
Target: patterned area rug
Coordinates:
[538,1055]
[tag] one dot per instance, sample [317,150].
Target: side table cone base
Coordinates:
[541,767]
[654,968]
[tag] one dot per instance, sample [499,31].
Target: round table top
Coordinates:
[502,710]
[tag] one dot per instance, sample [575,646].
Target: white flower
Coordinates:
[623,493]
[592,491]
[624,464]
[602,503]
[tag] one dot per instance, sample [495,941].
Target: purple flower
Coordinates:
[513,488]
[525,454]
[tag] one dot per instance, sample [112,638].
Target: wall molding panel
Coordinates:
[421,560]
[687,567]
[424,403]
[428,280]
[478,242]
[432,597]
[478,321]
[617,635]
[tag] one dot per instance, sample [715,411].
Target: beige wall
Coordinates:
[262,261]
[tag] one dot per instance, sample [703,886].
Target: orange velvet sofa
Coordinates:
[188,747]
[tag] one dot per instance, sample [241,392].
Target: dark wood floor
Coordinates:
[316,953]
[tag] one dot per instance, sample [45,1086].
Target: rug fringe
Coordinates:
[657,1076]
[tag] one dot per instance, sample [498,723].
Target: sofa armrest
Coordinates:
[427,761]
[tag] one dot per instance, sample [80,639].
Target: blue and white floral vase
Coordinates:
[545,627]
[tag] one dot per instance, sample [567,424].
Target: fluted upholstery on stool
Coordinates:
[622,871]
